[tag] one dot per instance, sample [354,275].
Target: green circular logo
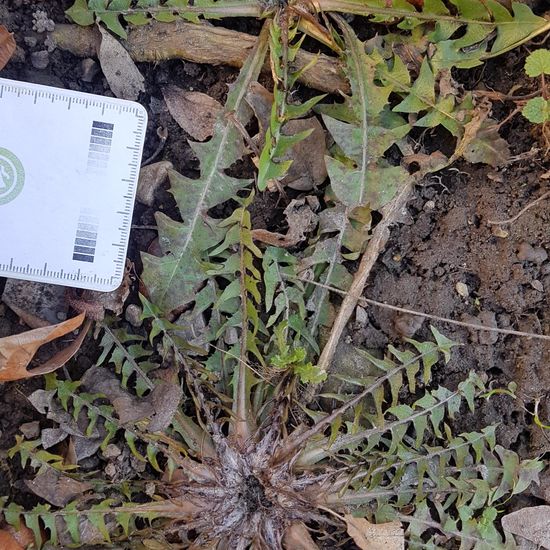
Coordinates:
[12,176]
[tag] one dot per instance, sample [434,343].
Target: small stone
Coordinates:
[40,60]
[407,325]
[88,69]
[111,451]
[529,253]
[486,319]
[151,177]
[462,290]
[495,176]
[30,430]
[498,231]
[361,316]
[537,285]
[30,41]
[429,205]
[133,315]
[110,470]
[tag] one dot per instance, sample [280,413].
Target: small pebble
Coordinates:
[537,285]
[499,232]
[111,451]
[30,41]
[462,290]
[40,60]
[430,205]
[133,315]
[361,316]
[529,253]
[88,69]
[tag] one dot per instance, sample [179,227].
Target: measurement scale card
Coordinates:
[69,166]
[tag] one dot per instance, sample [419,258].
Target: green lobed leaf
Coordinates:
[173,279]
[537,110]
[537,63]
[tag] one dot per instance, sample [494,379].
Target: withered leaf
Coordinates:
[10,539]
[158,407]
[94,303]
[17,351]
[301,220]
[7,46]
[488,147]
[58,489]
[371,536]
[195,112]
[297,537]
[121,72]
[151,177]
[531,523]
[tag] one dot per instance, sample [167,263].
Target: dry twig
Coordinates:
[521,212]
[391,212]
[369,301]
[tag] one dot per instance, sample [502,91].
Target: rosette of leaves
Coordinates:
[261,472]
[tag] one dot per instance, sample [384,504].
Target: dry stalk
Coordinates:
[391,212]
[201,44]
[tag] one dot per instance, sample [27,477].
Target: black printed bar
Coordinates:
[99,150]
[86,237]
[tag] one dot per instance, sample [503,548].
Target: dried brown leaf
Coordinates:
[488,147]
[195,112]
[7,46]
[371,536]
[297,537]
[301,220]
[531,523]
[10,539]
[128,408]
[481,141]
[121,72]
[57,488]
[94,303]
[151,177]
[17,351]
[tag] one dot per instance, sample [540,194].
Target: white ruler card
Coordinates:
[69,166]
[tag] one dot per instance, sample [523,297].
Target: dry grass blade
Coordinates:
[7,46]
[17,351]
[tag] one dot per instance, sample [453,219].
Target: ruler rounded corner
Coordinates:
[142,112]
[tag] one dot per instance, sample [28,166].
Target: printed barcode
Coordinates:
[100,146]
[86,236]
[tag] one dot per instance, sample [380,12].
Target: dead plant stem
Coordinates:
[376,244]
[475,326]
[521,212]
